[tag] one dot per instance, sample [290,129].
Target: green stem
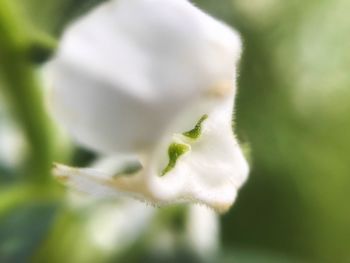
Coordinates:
[23,90]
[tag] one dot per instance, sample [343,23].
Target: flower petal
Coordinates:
[211,172]
[203,232]
[124,71]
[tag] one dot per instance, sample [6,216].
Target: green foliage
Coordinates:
[51,15]
[21,235]
[293,109]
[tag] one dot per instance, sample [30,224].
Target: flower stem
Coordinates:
[23,90]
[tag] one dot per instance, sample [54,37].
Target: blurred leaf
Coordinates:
[52,15]
[252,256]
[6,174]
[23,229]
[293,108]
[179,255]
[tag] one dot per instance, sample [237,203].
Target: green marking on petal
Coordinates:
[197,130]
[175,150]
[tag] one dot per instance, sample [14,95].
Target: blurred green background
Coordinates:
[292,113]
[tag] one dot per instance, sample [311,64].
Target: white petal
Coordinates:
[125,71]
[211,172]
[86,180]
[203,228]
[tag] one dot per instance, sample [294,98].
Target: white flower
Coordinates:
[203,231]
[153,80]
